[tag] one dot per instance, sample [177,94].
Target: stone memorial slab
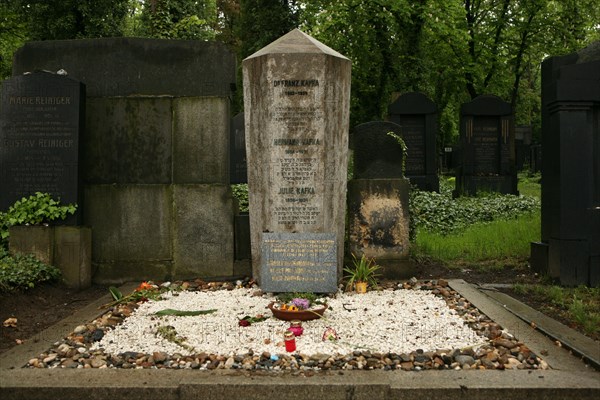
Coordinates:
[378,220]
[296,107]
[41,119]
[299,262]
[377,155]
[416,114]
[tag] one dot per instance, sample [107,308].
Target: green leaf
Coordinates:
[116,293]
[179,313]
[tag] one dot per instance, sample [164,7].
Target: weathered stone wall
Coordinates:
[155,153]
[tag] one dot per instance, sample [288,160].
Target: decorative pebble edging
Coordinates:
[499,349]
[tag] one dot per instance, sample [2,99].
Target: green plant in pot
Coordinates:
[363,273]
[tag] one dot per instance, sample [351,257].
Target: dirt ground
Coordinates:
[44,305]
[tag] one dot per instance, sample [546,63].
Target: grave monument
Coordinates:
[41,118]
[487,139]
[296,106]
[416,114]
[155,154]
[378,216]
[570,245]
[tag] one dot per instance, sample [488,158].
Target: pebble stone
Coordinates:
[498,349]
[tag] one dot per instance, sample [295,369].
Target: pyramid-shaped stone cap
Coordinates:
[296,41]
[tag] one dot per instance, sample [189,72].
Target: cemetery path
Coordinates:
[38,308]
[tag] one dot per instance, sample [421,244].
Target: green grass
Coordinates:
[482,241]
[529,185]
[580,305]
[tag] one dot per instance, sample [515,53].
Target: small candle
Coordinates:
[296,327]
[290,341]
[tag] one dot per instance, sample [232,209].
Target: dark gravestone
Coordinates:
[416,114]
[378,219]
[41,119]
[377,155]
[571,168]
[305,262]
[238,165]
[487,148]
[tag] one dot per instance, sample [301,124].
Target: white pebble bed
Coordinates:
[397,321]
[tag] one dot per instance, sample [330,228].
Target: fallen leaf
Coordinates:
[10,322]
[180,313]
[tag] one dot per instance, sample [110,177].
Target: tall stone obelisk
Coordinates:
[296,105]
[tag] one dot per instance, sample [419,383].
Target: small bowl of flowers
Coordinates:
[299,306]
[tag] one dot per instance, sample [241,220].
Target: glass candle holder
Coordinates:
[296,327]
[290,341]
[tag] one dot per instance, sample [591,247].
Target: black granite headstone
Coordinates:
[416,115]
[487,148]
[299,262]
[571,168]
[377,155]
[238,165]
[41,119]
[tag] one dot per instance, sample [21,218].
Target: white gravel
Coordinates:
[398,321]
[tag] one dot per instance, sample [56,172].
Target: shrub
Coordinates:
[34,210]
[440,213]
[24,271]
[240,192]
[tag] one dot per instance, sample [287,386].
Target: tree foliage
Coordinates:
[451,50]
[179,19]
[263,21]
[73,19]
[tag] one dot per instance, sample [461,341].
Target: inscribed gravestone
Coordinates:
[41,119]
[416,114]
[296,106]
[487,147]
[378,219]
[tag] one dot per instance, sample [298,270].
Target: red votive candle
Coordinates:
[290,341]
[296,327]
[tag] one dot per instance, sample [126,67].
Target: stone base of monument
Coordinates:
[378,222]
[69,248]
[539,257]
[396,269]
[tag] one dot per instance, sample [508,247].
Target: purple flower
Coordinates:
[301,303]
